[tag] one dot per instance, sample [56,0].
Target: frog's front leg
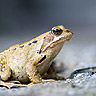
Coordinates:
[32,71]
[51,74]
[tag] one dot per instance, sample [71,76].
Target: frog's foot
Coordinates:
[51,74]
[43,81]
[11,85]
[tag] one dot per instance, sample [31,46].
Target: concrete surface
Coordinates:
[84,87]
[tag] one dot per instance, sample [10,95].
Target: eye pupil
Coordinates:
[57,31]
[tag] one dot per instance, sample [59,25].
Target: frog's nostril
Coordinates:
[67,30]
[72,33]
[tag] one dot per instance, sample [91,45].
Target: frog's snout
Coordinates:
[68,31]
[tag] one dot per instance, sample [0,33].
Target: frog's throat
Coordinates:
[55,42]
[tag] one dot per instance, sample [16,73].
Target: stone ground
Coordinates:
[83,87]
[79,83]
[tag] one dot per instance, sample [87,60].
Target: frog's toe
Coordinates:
[18,85]
[43,81]
[14,82]
[3,84]
[11,85]
[47,80]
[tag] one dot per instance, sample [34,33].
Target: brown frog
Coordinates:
[31,61]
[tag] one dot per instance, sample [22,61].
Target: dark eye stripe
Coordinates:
[42,59]
[21,46]
[34,41]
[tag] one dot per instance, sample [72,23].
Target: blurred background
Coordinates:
[21,20]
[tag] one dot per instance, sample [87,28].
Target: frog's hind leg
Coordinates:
[5,74]
[51,74]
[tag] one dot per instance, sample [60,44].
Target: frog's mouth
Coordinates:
[58,40]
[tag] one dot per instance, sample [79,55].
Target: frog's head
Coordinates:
[57,36]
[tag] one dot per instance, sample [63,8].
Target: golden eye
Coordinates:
[57,30]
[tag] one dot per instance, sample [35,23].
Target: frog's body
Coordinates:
[30,61]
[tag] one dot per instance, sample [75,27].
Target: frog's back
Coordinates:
[23,50]
[18,55]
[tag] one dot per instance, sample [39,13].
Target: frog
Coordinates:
[29,63]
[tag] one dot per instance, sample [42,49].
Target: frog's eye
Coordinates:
[57,30]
